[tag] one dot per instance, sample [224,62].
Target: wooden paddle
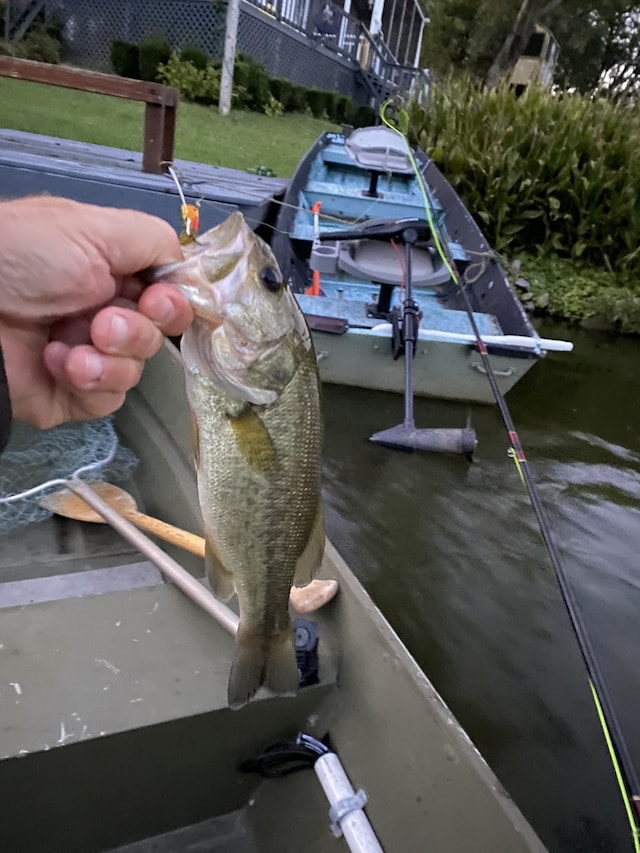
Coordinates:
[66,503]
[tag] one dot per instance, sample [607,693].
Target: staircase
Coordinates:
[19,15]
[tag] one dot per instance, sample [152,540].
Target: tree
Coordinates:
[485,38]
[530,13]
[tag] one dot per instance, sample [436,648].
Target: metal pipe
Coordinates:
[192,588]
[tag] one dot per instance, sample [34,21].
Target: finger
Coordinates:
[167,307]
[80,402]
[121,332]
[131,240]
[87,370]
[55,356]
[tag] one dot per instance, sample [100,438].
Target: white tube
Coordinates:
[354,824]
[522,341]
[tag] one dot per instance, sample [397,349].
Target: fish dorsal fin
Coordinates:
[311,558]
[220,579]
[253,439]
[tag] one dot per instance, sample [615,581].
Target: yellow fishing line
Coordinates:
[614,760]
[635,834]
[512,453]
[436,235]
[423,191]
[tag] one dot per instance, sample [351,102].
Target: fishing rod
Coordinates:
[624,769]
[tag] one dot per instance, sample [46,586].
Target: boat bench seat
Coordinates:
[33,590]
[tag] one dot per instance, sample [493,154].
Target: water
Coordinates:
[452,554]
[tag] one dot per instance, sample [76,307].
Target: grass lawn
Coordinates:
[242,140]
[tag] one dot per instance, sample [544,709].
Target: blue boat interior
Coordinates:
[340,185]
[352,305]
[337,182]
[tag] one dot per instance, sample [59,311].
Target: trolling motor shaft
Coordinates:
[406,436]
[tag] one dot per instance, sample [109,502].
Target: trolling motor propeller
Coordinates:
[406,436]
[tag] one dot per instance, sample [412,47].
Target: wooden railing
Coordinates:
[161,101]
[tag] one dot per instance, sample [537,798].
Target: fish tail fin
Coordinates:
[263,661]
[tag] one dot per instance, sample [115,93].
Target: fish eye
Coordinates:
[271,280]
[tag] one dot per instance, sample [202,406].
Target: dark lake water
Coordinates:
[452,554]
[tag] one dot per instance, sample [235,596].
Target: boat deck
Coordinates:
[31,163]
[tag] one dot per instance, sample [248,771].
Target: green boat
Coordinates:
[116,733]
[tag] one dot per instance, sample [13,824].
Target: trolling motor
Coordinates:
[405,436]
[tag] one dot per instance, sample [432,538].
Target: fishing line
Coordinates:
[223,207]
[623,766]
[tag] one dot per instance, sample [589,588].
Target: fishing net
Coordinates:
[34,457]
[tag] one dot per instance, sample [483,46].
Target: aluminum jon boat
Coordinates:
[352,290]
[116,733]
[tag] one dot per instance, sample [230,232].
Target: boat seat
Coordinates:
[90,582]
[379,148]
[373,260]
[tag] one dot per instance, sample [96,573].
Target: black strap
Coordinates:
[5,406]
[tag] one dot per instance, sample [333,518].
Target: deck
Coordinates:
[31,163]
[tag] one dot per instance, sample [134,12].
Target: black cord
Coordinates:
[286,757]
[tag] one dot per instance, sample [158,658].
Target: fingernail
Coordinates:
[118,332]
[93,367]
[164,311]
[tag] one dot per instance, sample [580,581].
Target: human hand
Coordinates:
[76,323]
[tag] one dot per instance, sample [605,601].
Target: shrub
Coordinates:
[298,100]
[281,90]
[331,101]
[241,81]
[193,54]
[251,82]
[258,87]
[343,110]
[154,51]
[125,59]
[194,84]
[364,117]
[11,48]
[273,107]
[555,170]
[317,102]
[574,291]
[41,47]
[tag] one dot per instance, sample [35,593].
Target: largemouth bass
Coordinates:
[253,387]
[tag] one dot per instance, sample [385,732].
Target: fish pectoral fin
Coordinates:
[253,439]
[220,578]
[311,558]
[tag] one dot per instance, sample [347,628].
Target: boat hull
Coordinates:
[448,371]
[118,729]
